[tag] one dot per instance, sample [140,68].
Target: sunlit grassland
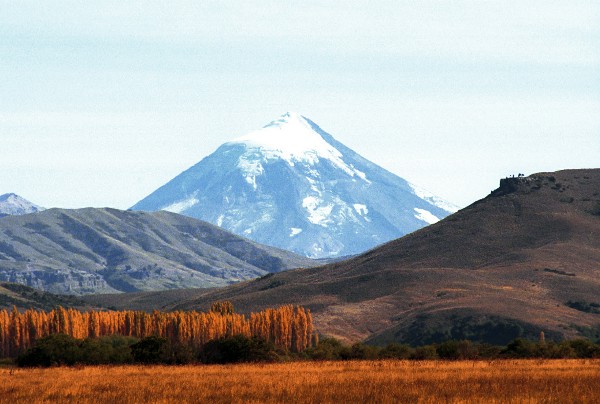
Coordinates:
[503,381]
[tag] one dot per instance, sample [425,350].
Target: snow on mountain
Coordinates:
[431,198]
[292,185]
[12,204]
[290,138]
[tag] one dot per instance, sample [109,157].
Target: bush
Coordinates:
[489,351]
[584,348]
[359,351]
[238,348]
[520,348]
[55,349]
[425,352]
[177,354]
[120,348]
[106,350]
[151,349]
[62,349]
[457,350]
[396,351]
[553,350]
[586,307]
[94,352]
[327,349]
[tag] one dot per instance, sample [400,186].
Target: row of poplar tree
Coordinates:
[287,327]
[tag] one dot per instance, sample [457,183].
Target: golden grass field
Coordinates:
[504,381]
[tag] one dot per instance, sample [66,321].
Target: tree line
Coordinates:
[288,327]
[520,348]
[62,349]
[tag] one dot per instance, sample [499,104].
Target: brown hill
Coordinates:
[524,259]
[24,297]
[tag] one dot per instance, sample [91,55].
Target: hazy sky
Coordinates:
[101,102]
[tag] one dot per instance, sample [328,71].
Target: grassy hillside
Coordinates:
[524,259]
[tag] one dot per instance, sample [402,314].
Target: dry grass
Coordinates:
[530,381]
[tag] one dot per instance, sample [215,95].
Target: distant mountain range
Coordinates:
[524,259]
[108,250]
[292,185]
[12,204]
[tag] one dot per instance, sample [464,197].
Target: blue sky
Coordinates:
[102,102]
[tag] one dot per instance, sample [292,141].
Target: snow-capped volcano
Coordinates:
[13,204]
[293,139]
[292,185]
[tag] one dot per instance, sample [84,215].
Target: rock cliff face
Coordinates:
[524,184]
[292,185]
[69,281]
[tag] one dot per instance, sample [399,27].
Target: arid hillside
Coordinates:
[522,260]
[90,250]
[24,297]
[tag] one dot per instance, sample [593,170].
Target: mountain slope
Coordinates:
[522,260]
[13,204]
[108,250]
[292,185]
[24,297]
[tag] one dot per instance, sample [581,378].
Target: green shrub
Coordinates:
[488,351]
[453,349]
[359,351]
[238,348]
[520,348]
[61,349]
[425,352]
[55,349]
[327,349]
[151,349]
[584,348]
[114,349]
[396,351]
[177,354]
[596,209]
[553,350]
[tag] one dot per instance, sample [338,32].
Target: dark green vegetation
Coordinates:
[61,349]
[586,307]
[14,294]
[503,268]
[332,349]
[107,250]
[430,329]
[238,349]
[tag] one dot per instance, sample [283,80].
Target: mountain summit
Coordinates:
[292,185]
[13,204]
